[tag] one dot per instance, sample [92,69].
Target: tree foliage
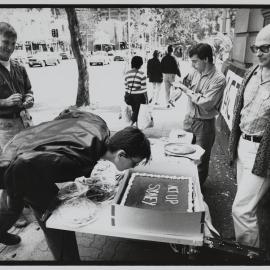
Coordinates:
[175,25]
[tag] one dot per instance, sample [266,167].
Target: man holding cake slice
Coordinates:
[204,88]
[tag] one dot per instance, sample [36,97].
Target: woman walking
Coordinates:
[135,87]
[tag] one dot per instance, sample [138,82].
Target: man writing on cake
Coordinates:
[60,151]
[204,88]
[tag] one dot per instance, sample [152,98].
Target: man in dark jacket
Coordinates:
[59,151]
[154,73]
[249,142]
[169,68]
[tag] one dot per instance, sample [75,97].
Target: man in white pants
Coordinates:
[250,142]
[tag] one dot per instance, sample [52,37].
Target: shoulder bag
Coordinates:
[128,97]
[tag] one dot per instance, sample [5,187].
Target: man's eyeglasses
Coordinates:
[262,48]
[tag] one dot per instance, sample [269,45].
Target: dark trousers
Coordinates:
[204,132]
[135,103]
[30,177]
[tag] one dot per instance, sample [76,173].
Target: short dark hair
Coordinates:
[203,50]
[133,141]
[7,30]
[136,61]
[155,53]
[170,49]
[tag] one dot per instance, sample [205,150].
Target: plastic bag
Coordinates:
[145,118]
[125,114]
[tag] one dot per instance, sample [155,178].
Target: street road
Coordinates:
[55,87]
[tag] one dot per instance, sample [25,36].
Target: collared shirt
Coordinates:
[135,81]
[6,64]
[15,81]
[206,98]
[256,109]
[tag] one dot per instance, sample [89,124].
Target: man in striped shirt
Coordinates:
[135,87]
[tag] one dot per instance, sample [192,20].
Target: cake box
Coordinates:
[159,183]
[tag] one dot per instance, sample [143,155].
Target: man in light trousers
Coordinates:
[249,143]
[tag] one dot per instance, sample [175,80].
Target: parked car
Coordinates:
[43,59]
[118,58]
[99,58]
[63,55]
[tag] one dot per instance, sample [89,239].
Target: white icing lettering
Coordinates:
[172,198]
[173,189]
[172,201]
[151,195]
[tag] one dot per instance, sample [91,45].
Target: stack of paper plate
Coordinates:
[179,149]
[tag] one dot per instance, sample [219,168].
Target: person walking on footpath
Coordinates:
[59,151]
[15,95]
[135,87]
[204,87]
[154,73]
[249,144]
[170,68]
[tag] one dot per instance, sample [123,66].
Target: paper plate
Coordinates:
[179,149]
[77,212]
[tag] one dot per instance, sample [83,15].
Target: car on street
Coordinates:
[43,59]
[63,55]
[118,58]
[99,58]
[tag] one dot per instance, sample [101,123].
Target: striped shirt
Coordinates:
[135,81]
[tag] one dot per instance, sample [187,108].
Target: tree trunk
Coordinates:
[76,45]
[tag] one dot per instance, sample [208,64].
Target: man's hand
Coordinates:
[183,88]
[13,100]
[28,102]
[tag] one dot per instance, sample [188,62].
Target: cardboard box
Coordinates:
[187,227]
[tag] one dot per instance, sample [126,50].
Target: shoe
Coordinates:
[168,106]
[9,239]
[21,223]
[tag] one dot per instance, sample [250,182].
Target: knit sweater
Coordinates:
[135,81]
[261,165]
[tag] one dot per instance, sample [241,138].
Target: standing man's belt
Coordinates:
[256,139]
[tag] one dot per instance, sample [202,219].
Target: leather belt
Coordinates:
[10,115]
[256,139]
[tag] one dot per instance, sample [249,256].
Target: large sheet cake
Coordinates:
[159,192]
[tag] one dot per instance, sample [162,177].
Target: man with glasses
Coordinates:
[249,142]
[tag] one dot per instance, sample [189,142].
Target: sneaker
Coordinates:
[9,239]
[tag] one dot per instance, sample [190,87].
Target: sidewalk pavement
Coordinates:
[33,246]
